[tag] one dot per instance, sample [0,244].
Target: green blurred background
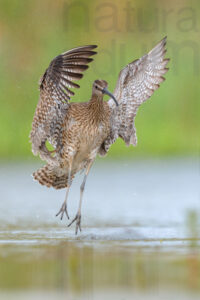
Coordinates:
[32,32]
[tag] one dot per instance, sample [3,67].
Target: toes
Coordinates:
[78,224]
[59,212]
[76,231]
[72,221]
[66,212]
[77,218]
[78,227]
[63,211]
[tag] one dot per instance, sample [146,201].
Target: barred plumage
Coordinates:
[80,131]
[52,177]
[136,83]
[55,92]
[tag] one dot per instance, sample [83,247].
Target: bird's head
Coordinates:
[100,87]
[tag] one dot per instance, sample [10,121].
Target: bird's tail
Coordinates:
[52,176]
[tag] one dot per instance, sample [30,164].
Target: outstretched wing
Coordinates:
[55,92]
[136,83]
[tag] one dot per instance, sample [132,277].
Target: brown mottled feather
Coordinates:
[136,83]
[86,125]
[55,92]
[52,176]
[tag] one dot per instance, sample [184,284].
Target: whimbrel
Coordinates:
[79,132]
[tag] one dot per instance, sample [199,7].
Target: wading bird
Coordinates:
[80,131]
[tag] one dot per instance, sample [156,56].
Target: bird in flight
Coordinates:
[79,132]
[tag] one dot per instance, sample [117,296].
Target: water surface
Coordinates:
[140,234]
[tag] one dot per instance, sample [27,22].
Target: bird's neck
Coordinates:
[96,106]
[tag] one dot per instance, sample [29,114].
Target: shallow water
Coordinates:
[140,236]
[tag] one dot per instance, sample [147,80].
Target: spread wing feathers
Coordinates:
[136,83]
[55,92]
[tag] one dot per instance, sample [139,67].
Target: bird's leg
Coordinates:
[77,217]
[63,208]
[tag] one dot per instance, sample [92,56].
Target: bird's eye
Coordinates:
[96,86]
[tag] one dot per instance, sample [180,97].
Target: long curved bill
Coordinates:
[105,91]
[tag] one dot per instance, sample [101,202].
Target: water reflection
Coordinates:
[83,270]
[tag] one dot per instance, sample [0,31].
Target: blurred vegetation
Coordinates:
[34,32]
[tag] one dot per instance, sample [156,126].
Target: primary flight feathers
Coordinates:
[63,70]
[55,90]
[136,83]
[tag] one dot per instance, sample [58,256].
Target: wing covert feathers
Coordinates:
[55,92]
[136,83]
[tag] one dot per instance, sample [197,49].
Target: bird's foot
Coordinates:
[77,218]
[63,210]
